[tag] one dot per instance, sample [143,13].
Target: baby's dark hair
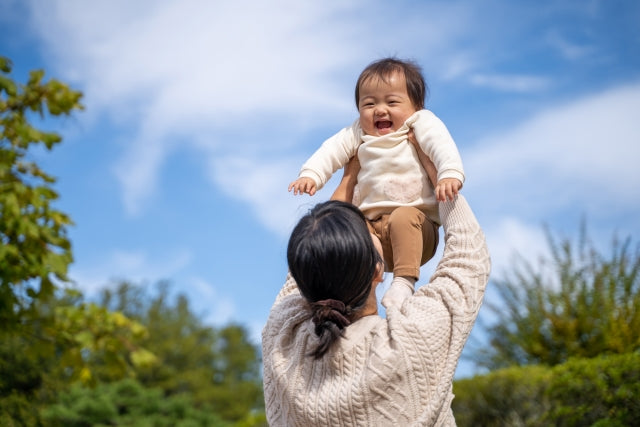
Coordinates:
[383,68]
[333,260]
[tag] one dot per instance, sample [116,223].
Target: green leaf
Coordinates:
[5,64]
[143,358]
[7,85]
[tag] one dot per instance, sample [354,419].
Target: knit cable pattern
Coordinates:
[396,371]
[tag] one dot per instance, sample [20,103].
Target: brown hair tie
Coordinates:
[332,310]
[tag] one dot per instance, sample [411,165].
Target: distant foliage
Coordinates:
[579,303]
[217,367]
[127,403]
[603,391]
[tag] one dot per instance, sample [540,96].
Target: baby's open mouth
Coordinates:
[384,124]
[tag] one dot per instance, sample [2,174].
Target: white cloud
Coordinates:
[582,154]
[263,185]
[510,83]
[132,265]
[216,309]
[207,54]
[459,65]
[198,72]
[191,70]
[569,49]
[509,237]
[572,159]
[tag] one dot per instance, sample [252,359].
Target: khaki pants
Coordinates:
[409,239]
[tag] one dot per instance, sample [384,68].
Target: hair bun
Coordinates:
[331,310]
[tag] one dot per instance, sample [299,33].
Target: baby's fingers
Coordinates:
[444,192]
[302,186]
[296,187]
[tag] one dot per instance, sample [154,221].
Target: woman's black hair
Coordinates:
[333,260]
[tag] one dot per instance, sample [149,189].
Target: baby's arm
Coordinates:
[332,155]
[345,189]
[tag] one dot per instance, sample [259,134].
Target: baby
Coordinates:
[388,177]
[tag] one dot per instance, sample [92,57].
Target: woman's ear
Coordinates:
[379,277]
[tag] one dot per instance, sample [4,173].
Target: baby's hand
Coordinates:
[303,185]
[447,189]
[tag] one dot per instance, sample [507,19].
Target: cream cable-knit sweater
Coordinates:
[396,371]
[390,171]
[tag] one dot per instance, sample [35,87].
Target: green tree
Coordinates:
[218,367]
[72,346]
[35,249]
[600,391]
[127,403]
[579,302]
[49,337]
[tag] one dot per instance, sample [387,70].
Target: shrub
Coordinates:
[600,391]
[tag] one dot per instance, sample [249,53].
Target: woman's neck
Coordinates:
[370,307]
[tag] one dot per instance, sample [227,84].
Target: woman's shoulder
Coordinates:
[364,327]
[286,315]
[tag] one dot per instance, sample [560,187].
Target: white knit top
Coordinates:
[396,371]
[390,171]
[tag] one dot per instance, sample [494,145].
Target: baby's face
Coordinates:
[384,106]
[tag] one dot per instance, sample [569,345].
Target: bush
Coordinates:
[511,396]
[16,410]
[605,391]
[600,391]
[127,403]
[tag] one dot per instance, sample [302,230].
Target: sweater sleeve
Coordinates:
[462,274]
[465,263]
[436,142]
[332,155]
[440,315]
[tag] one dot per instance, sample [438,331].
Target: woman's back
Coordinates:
[393,371]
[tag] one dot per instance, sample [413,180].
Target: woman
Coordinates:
[329,359]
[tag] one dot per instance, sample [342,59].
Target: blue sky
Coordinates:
[199,114]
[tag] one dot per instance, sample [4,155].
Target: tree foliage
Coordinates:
[35,249]
[49,337]
[603,391]
[96,342]
[579,302]
[127,403]
[218,367]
